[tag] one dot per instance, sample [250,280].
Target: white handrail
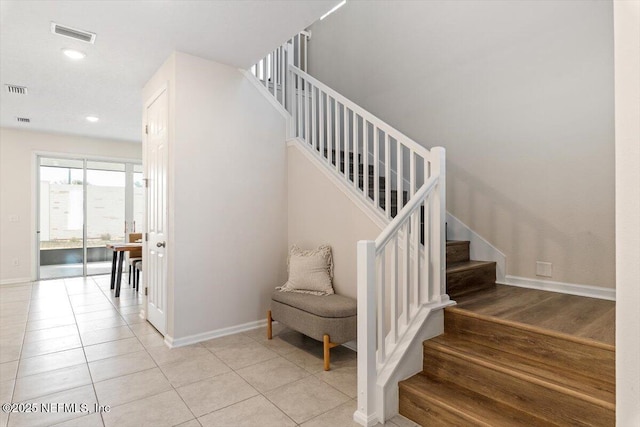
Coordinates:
[380,124]
[413,204]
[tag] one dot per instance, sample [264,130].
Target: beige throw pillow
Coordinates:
[310,272]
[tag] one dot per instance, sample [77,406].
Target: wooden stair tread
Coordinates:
[532,328]
[468,265]
[471,408]
[588,389]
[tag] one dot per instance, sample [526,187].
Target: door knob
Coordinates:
[160,244]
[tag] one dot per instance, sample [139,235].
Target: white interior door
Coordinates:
[155,257]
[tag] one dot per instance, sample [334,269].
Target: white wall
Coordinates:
[18,151]
[520,93]
[627,60]
[320,213]
[228,209]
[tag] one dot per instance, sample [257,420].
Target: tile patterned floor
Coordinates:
[69,341]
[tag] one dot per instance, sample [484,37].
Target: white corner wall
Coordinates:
[228,201]
[520,93]
[627,59]
[18,150]
[320,212]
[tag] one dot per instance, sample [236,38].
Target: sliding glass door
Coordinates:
[84,205]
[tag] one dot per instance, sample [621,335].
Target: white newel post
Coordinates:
[439,245]
[365,414]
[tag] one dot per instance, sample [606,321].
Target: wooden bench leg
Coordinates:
[328,345]
[269,330]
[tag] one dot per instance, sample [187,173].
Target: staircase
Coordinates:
[487,371]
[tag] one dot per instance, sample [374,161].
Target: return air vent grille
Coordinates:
[18,90]
[73,33]
[24,119]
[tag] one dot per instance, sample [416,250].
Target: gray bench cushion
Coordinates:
[331,306]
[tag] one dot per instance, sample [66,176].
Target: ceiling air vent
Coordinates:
[73,33]
[23,120]
[18,90]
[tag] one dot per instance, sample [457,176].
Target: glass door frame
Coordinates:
[129,171]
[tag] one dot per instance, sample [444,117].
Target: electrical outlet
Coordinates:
[14,218]
[544,269]
[15,262]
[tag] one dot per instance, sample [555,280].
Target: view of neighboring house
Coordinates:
[535,103]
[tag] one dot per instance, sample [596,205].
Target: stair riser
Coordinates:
[463,282]
[591,361]
[547,403]
[457,252]
[427,413]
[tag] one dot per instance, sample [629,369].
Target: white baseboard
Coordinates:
[6,282]
[564,288]
[480,248]
[204,336]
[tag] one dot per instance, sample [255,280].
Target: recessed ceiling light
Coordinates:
[92,119]
[73,54]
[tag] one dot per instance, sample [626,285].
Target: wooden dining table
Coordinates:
[119,250]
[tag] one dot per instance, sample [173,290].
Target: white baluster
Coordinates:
[394,289]
[337,132]
[415,263]
[347,148]
[399,175]
[307,105]
[299,98]
[376,167]
[321,121]
[381,302]
[314,122]
[356,144]
[365,158]
[330,153]
[387,174]
[406,272]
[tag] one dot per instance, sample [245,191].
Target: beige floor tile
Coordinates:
[401,421]
[105,335]
[306,398]
[51,362]
[271,374]
[112,348]
[189,371]
[51,382]
[94,325]
[242,355]
[306,360]
[95,315]
[117,366]
[10,352]
[77,397]
[50,312]
[130,309]
[286,343]
[87,299]
[6,390]
[50,323]
[344,379]
[145,328]
[120,390]
[221,343]
[342,416]
[165,409]
[79,309]
[8,370]
[163,355]
[151,340]
[216,393]
[256,411]
[132,318]
[51,345]
[191,423]
[92,420]
[14,318]
[44,334]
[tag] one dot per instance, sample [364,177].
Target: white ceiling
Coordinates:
[133,39]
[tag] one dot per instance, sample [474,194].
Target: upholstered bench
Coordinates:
[331,319]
